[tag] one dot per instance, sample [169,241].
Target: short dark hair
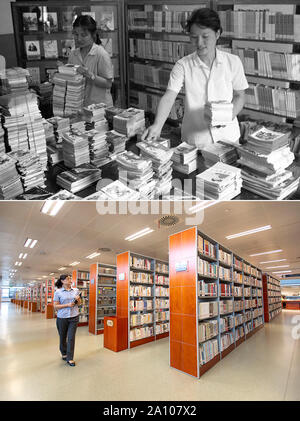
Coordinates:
[59,283]
[89,24]
[206,17]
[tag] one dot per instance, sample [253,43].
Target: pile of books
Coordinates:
[78,178]
[219,152]
[75,147]
[111,112]
[14,81]
[68,93]
[10,183]
[130,122]
[94,116]
[60,125]
[265,159]
[64,195]
[2,143]
[55,154]
[220,182]
[116,141]
[98,146]
[137,173]
[185,158]
[118,191]
[161,164]
[220,112]
[30,169]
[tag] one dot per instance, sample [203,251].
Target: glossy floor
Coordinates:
[265,367]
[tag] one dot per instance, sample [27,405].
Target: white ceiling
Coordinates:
[79,229]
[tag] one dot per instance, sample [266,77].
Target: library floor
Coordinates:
[265,367]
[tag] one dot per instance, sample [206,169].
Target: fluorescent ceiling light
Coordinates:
[74,263]
[27,242]
[91,256]
[139,234]
[51,273]
[62,268]
[275,267]
[20,263]
[266,252]
[52,207]
[283,271]
[273,261]
[44,276]
[253,231]
[17,264]
[25,255]
[20,255]
[33,244]
[201,206]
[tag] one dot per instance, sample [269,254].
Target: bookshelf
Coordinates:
[143,297]
[49,294]
[43,297]
[265,36]
[271,296]
[52,36]
[102,295]
[81,280]
[155,28]
[212,306]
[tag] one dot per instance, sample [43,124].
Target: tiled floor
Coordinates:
[265,367]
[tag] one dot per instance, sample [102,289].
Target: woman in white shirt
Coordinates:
[207,75]
[94,61]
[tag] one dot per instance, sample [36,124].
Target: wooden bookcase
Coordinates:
[102,295]
[143,292]
[49,294]
[211,311]
[81,280]
[260,42]
[271,296]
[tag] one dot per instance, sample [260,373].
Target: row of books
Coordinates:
[141,305]
[157,20]
[257,312]
[206,268]
[145,278]
[161,316]
[141,333]
[141,319]
[250,303]
[207,330]
[162,268]
[260,24]
[225,257]
[153,76]
[225,290]
[227,339]
[239,332]
[257,322]
[226,306]
[206,247]
[208,350]
[161,304]
[238,291]
[239,319]
[105,301]
[226,324]
[237,263]
[140,263]
[106,311]
[140,291]
[161,291]
[161,280]
[247,292]
[161,328]
[248,327]
[237,277]
[207,289]
[165,51]
[207,309]
[224,273]
[248,315]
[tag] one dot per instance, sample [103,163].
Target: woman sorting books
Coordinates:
[94,61]
[66,300]
[214,84]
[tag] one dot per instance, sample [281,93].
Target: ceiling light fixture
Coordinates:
[27,242]
[249,232]
[25,255]
[20,255]
[283,271]
[33,244]
[139,234]
[52,273]
[273,261]
[62,268]
[91,256]
[266,252]
[201,206]
[275,267]
[52,207]
[74,264]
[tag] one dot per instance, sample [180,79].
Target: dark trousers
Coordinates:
[67,329]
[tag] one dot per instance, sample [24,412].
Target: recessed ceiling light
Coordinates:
[74,263]
[139,234]
[62,268]
[249,232]
[91,256]
[273,261]
[267,252]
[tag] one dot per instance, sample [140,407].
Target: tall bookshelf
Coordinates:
[246,32]
[49,295]
[153,29]
[43,297]
[108,15]
[81,280]
[102,295]
[271,296]
[212,306]
[143,297]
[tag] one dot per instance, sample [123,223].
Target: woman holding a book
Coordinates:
[66,301]
[214,84]
[94,61]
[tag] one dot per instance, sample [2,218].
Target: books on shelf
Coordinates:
[161,291]
[141,319]
[206,247]
[149,101]
[166,51]
[161,303]
[33,50]
[221,181]
[226,323]
[158,21]
[141,333]
[207,330]
[140,291]
[207,309]
[225,257]
[207,269]
[78,178]
[50,48]
[141,305]
[208,350]
[207,289]
[225,290]
[141,277]
[163,268]
[226,306]
[227,339]
[30,21]
[161,328]
[224,273]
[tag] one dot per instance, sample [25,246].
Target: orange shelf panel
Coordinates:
[116,333]
[93,298]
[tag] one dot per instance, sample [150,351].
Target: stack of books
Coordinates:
[68,93]
[55,154]
[10,183]
[78,178]
[118,191]
[220,182]
[94,116]
[75,147]
[161,164]
[264,160]
[64,195]
[2,143]
[99,153]
[219,152]
[130,122]
[30,169]
[60,125]
[14,81]
[220,112]
[116,141]
[111,112]
[99,195]
[137,173]
[185,158]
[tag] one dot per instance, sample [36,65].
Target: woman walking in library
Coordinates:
[66,301]
[94,61]
[209,76]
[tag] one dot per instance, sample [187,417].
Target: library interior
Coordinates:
[148,95]
[197,305]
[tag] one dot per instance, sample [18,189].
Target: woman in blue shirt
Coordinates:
[67,316]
